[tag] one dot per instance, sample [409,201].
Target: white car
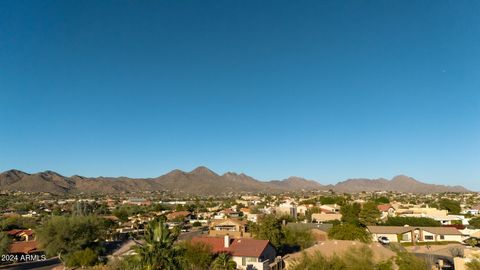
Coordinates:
[383,240]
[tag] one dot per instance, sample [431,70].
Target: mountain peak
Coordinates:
[404,179]
[202,170]
[51,173]
[14,172]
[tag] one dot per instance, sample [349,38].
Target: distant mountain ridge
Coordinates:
[400,183]
[203,181]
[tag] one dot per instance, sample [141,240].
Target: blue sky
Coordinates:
[327,90]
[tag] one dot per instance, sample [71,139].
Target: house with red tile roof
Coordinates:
[246,252]
[22,235]
[23,247]
[179,216]
[386,210]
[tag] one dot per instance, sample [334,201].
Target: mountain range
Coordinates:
[203,181]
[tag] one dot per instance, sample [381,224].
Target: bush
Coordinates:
[17,223]
[349,232]
[407,261]
[475,222]
[83,258]
[196,224]
[4,243]
[352,259]
[196,256]
[65,235]
[412,221]
[298,238]
[382,200]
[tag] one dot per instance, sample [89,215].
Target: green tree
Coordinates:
[83,258]
[197,224]
[332,200]
[412,221]
[4,243]
[369,214]
[349,231]
[61,235]
[298,238]
[382,200]
[270,228]
[196,256]
[158,251]
[18,223]
[350,213]
[475,222]
[452,206]
[224,262]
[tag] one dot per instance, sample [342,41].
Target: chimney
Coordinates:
[226,241]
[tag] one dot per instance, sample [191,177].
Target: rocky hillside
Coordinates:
[400,183]
[202,181]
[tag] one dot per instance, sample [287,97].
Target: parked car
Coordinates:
[383,240]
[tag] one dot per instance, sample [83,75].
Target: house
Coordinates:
[330,208]
[247,253]
[386,210]
[179,216]
[302,209]
[324,217]
[427,211]
[287,208]
[252,217]
[230,213]
[22,235]
[230,226]
[474,210]
[415,234]
[443,219]
[24,247]
[137,201]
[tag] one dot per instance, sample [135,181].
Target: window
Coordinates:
[428,237]
[442,237]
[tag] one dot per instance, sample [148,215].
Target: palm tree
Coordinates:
[158,251]
[224,262]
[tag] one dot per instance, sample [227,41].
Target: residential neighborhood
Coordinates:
[255,232]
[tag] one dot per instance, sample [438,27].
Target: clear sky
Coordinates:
[326,90]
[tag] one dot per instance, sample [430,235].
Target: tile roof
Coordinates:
[241,247]
[384,207]
[18,232]
[24,247]
[178,214]
[402,229]
[443,230]
[389,229]
[215,222]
